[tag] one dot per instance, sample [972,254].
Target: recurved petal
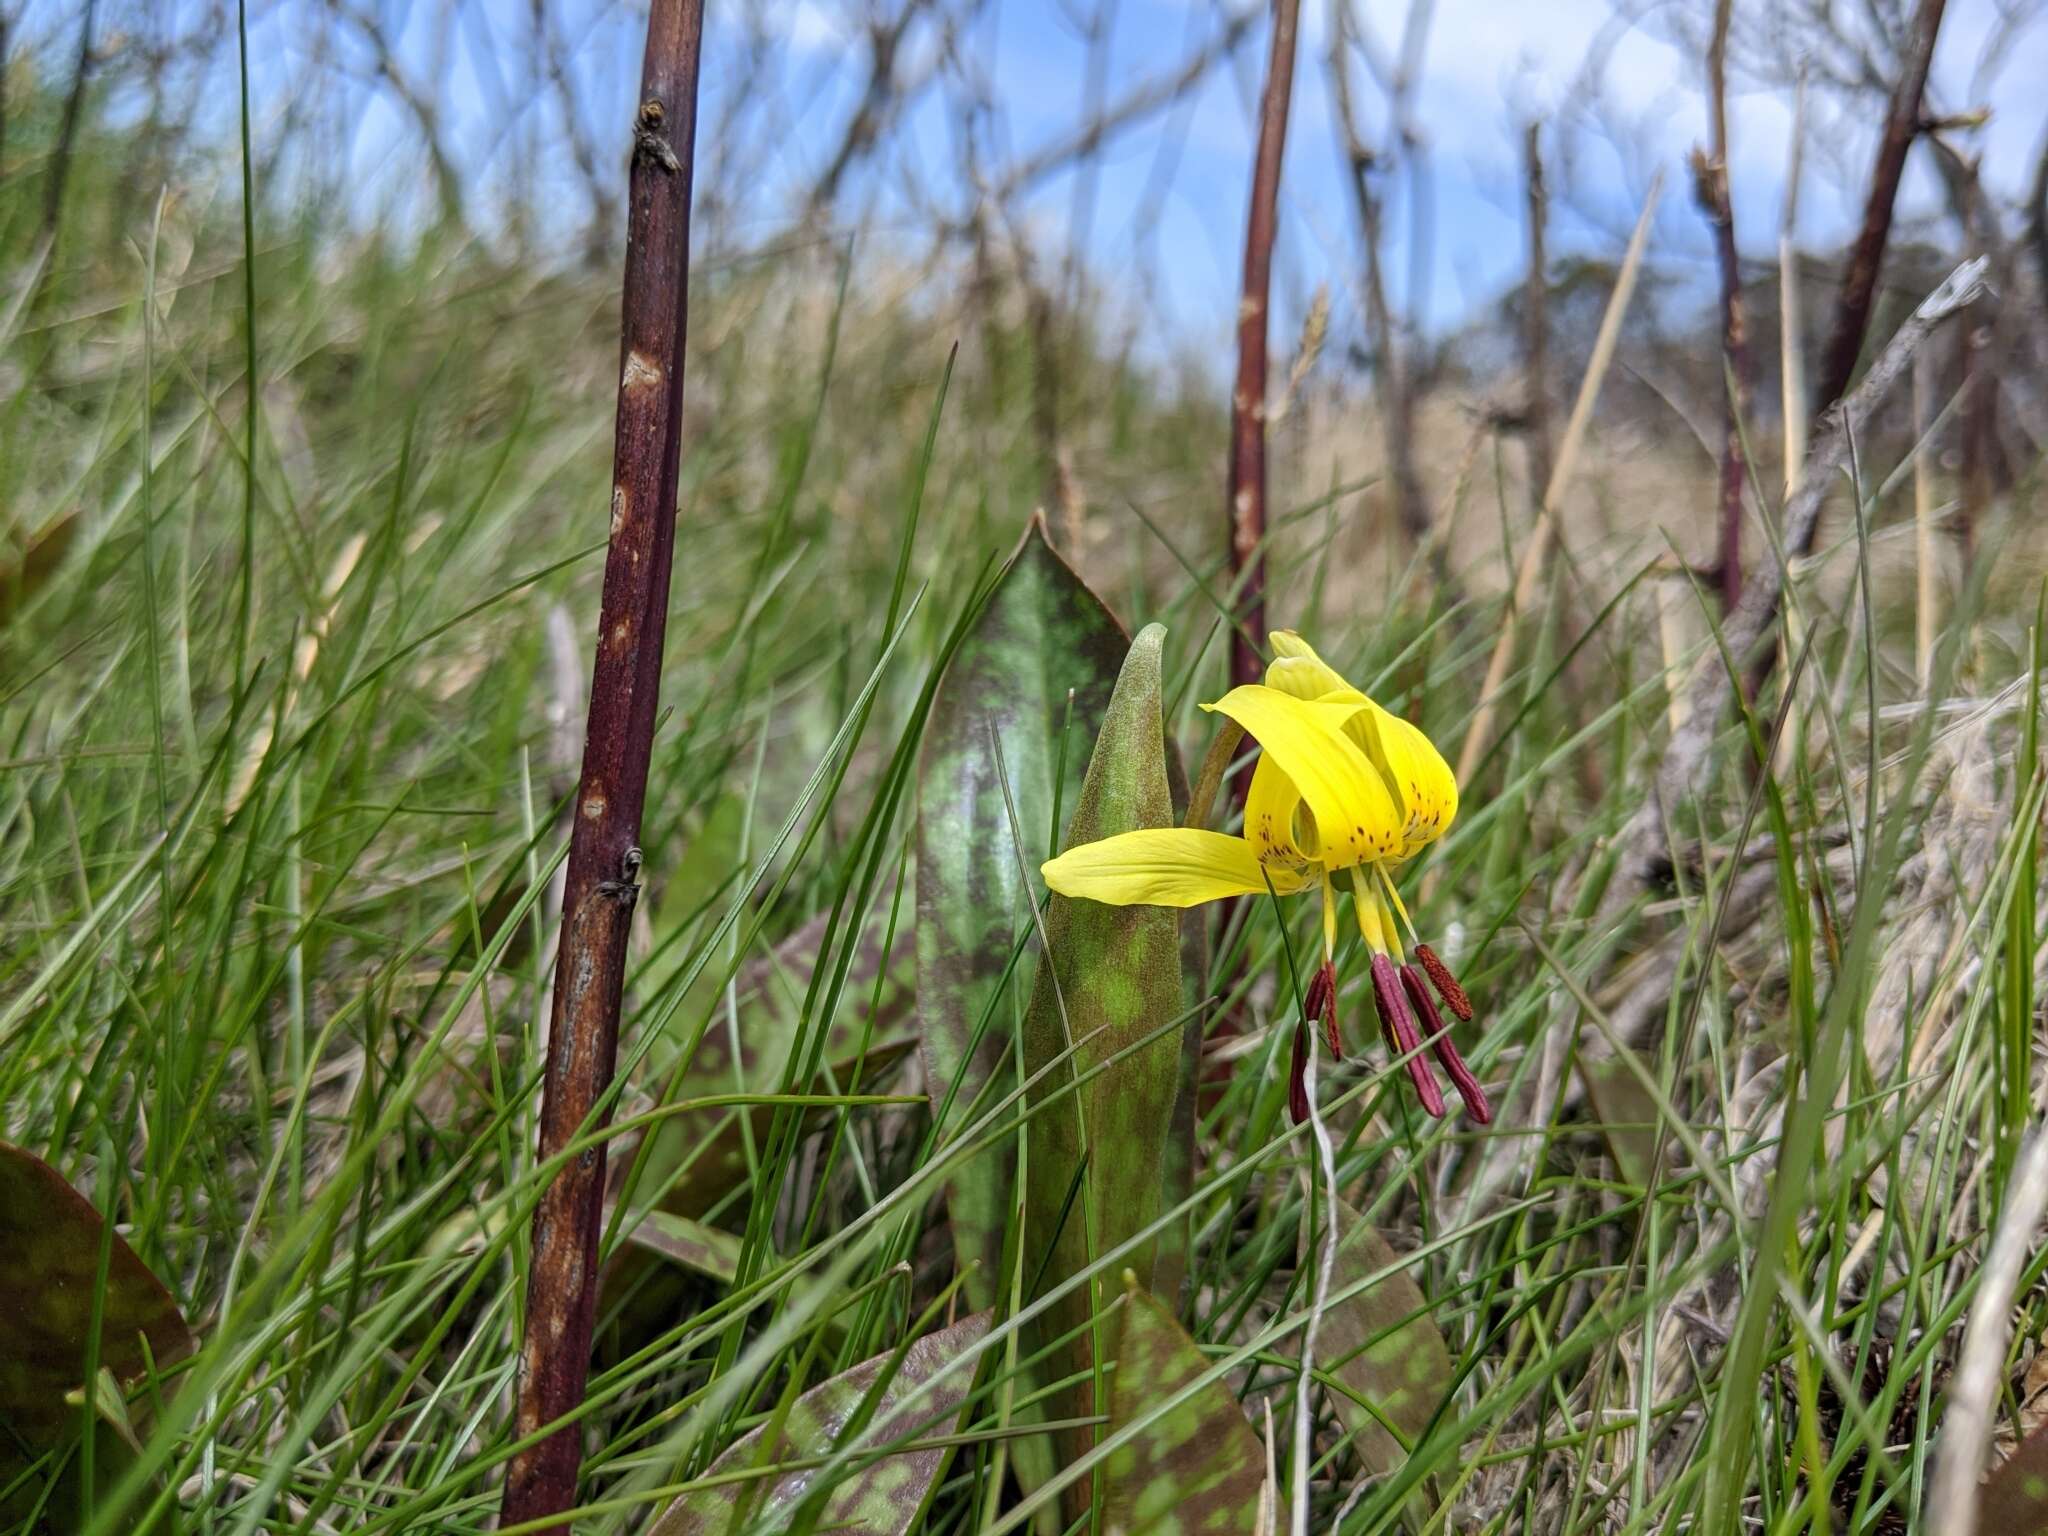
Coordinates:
[1422,784]
[1297,669]
[1165,867]
[1356,819]
[1269,807]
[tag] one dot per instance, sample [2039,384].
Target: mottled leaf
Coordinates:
[1196,1469]
[49,1257]
[1042,638]
[1383,1347]
[2014,1498]
[25,574]
[885,1497]
[700,1156]
[1098,1156]
[704,1250]
[49,1262]
[1627,1113]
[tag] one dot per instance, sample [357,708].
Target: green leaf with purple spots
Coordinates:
[1098,1144]
[745,1490]
[50,1238]
[1042,639]
[1382,1346]
[699,1156]
[1193,1469]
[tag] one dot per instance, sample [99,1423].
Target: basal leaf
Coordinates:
[1042,639]
[884,1497]
[701,1156]
[49,1256]
[50,1239]
[1383,1346]
[706,1251]
[1098,1155]
[2014,1498]
[1627,1112]
[1194,1470]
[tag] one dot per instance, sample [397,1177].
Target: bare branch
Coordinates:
[1143,101]
[1750,626]
[1710,190]
[1246,506]
[1859,286]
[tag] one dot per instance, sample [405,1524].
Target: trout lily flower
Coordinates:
[1343,792]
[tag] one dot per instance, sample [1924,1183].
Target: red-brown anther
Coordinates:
[1446,984]
[1321,1004]
[1446,1053]
[1402,1038]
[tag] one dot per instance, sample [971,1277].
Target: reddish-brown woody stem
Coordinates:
[604,860]
[1247,482]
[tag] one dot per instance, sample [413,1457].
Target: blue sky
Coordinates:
[1489,66]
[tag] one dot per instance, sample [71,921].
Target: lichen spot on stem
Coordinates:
[641,372]
[618,509]
[593,806]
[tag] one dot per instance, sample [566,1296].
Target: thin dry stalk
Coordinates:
[1247,475]
[1530,569]
[1866,257]
[1974,1389]
[604,859]
[1923,523]
[1710,189]
[1391,376]
[1791,352]
[1535,316]
[1641,841]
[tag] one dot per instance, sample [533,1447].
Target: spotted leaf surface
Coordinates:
[49,1262]
[1192,1469]
[1042,638]
[1382,1345]
[699,1156]
[1099,1151]
[882,1498]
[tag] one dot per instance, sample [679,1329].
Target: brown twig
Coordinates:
[1397,399]
[1535,424]
[67,129]
[1710,189]
[604,859]
[1247,476]
[881,100]
[1866,257]
[1142,101]
[1750,625]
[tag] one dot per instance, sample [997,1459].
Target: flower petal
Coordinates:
[1422,783]
[1356,820]
[1165,867]
[1297,669]
[1269,807]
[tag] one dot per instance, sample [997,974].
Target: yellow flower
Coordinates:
[1342,788]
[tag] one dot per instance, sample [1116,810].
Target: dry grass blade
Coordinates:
[1537,551]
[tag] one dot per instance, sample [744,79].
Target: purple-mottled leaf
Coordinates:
[1191,1469]
[704,1250]
[700,1156]
[1030,681]
[49,1264]
[1098,1147]
[882,1497]
[1383,1347]
[2014,1498]
[1626,1111]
